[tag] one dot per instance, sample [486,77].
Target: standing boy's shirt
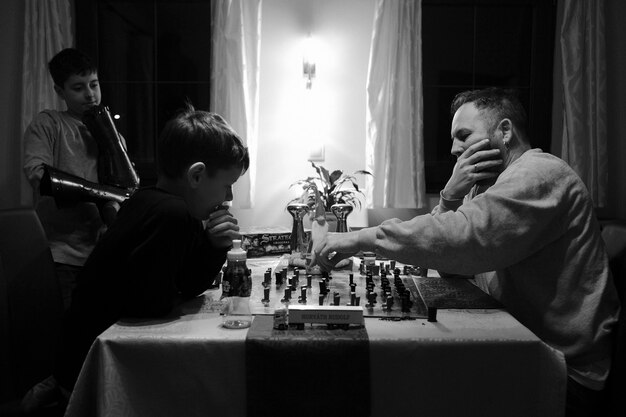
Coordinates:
[61,140]
[154,255]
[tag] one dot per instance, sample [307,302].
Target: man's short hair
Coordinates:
[70,62]
[199,136]
[498,104]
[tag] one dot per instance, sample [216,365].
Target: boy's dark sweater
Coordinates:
[154,255]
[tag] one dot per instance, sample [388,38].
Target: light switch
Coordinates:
[316,153]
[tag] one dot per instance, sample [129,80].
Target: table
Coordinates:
[468,363]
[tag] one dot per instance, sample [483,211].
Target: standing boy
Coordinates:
[157,252]
[61,140]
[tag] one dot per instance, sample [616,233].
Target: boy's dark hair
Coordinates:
[199,136]
[500,103]
[68,62]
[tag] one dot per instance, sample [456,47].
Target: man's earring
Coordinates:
[506,145]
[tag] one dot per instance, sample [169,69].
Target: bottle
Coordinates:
[236,289]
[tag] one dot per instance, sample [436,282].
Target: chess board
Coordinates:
[423,292]
[338,285]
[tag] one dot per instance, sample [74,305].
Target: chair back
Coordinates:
[32,306]
[614,235]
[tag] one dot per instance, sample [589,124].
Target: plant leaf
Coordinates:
[323,173]
[335,175]
[327,189]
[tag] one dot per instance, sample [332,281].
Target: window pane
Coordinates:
[134,103]
[447,47]
[437,142]
[126,40]
[503,45]
[184,41]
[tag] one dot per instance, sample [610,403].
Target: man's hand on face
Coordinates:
[478,162]
[221,228]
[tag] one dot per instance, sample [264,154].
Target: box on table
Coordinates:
[267,241]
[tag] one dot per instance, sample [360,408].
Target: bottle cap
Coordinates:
[236,253]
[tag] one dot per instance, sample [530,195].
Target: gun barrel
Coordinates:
[114,165]
[67,187]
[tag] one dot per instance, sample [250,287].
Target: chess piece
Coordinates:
[323,288]
[432,314]
[287,296]
[371,300]
[406,303]
[266,296]
[302,298]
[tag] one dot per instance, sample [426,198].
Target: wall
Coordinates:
[291,117]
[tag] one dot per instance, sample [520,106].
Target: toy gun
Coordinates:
[114,166]
[66,187]
[116,174]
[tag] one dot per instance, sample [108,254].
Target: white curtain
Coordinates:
[235,78]
[394,148]
[47,30]
[580,93]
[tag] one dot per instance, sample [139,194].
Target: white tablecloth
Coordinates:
[468,363]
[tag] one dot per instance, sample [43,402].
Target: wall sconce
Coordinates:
[308,62]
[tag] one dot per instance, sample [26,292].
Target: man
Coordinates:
[527,217]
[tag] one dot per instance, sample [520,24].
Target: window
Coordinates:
[470,44]
[152,56]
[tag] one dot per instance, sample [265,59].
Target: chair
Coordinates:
[614,235]
[31,300]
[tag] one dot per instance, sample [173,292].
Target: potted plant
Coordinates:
[328,188]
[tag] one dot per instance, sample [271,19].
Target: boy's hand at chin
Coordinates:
[221,228]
